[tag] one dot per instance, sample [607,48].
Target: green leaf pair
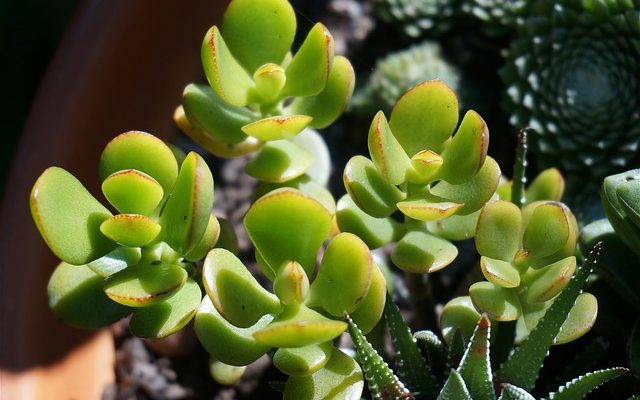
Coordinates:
[140,257]
[437,179]
[621,201]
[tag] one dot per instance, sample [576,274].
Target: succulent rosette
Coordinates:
[573,76]
[498,17]
[426,168]
[139,260]
[419,17]
[239,320]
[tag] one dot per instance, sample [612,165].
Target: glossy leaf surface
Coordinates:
[458,314]
[545,283]
[375,232]
[421,252]
[279,161]
[116,260]
[303,361]
[278,127]
[386,152]
[501,304]
[207,241]
[308,71]
[498,230]
[131,230]
[500,272]
[580,319]
[132,192]
[464,155]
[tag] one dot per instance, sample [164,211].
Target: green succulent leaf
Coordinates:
[547,231]
[116,260]
[169,316]
[143,152]
[426,165]
[259,33]
[501,304]
[498,230]
[430,108]
[375,232]
[286,224]
[547,185]
[306,185]
[308,71]
[225,374]
[370,309]
[428,209]
[226,342]
[386,152]
[234,291]
[545,283]
[458,315]
[207,241]
[457,348]
[465,154]
[435,351]
[581,386]
[627,231]
[320,171]
[269,80]
[629,197]
[131,230]
[500,272]
[580,319]
[341,378]
[456,227]
[511,392]
[132,192]
[68,217]
[76,297]
[277,127]
[145,284]
[279,161]
[475,367]
[291,284]
[326,106]
[303,361]
[454,388]
[421,252]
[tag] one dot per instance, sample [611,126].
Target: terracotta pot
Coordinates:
[121,65]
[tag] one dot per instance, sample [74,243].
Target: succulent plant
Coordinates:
[417,17]
[572,75]
[140,260]
[419,169]
[398,72]
[498,17]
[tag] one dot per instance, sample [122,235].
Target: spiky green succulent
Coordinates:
[417,17]
[573,75]
[497,16]
[398,72]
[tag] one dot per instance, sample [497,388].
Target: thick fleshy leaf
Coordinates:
[581,386]
[76,297]
[186,215]
[629,197]
[303,361]
[465,154]
[344,275]
[475,192]
[458,314]
[510,392]
[548,185]
[279,161]
[207,241]
[501,273]
[428,209]
[226,342]
[259,32]
[421,252]
[547,230]
[425,117]
[426,165]
[269,80]
[375,232]
[475,367]
[386,152]
[69,217]
[501,304]
[220,123]
[580,319]
[341,378]
[225,374]
[454,388]
[368,188]
[143,152]
[308,71]
[328,105]
[456,227]
[299,326]
[278,127]
[131,230]
[498,230]
[234,291]
[224,73]
[545,283]
[627,231]
[370,309]
[291,284]
[285,224]
[132,192]
[145,284]
[306,185]
[312,141]
[169,316]
[116,260]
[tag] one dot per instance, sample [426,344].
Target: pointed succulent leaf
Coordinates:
[500,272]
[435,351]
[425,117]
[458,315]
[457,346]
[523,365]
[375,232]
[225,374]
[76,297]
[545,283]
[501,304]
[412,368]
[226,342]
[224,73]
[298,325]
[454,388]
[308,71]
[456,227]
[169,316]
[116,260]
[473,193]
[421,252]
[475,367]
[218,122]
[580,319]
[234,291]
[370,309]
[465,154]
[341,378]
[269,80]
[344,275]
[426,165]
[185,217]
[380,378]
[330,103]
[498,230]
[303,361]
[291,284]
[131,230]
[547,230]
[207,241]
[547,185]
[68,217]
[277,127]
[285,224]
[145,284]
[511,392]
[132,192]
[143,152]
[427,209]
[368,188]
[583,385]
[386,152]
[279,161]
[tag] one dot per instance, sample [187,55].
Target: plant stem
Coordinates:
[519,178]
[421,297]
